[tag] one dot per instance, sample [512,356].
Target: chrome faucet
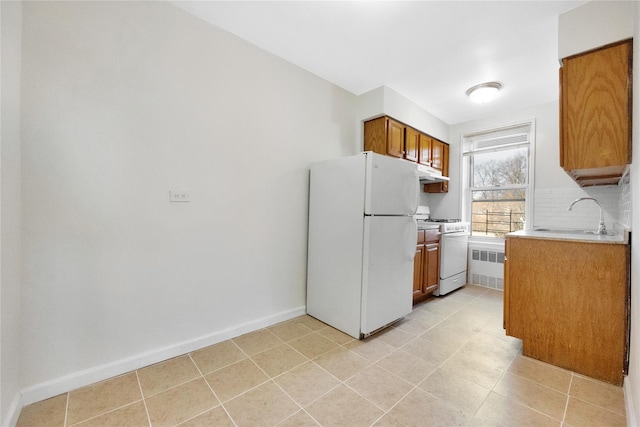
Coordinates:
[602,229]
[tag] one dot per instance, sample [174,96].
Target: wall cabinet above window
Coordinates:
[595,114]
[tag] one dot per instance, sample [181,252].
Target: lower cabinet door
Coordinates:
[417,272]
[431,267]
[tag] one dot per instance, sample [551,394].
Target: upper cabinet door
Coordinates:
[441,187]
[437,154]
[395,138]
[424,157]
[411,144]
[384,136]
[596,113]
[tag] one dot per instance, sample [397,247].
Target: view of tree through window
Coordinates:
[499,175]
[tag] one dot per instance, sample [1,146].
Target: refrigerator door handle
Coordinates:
[417,195]
[414,241]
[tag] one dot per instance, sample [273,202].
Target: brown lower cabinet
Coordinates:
[426,264]
[569,303]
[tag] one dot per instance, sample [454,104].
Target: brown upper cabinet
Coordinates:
[412,144]
[424,157]
[437,154]
[441,187]
[387,136]
[595,114]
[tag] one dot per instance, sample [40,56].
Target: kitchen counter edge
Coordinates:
[620,237]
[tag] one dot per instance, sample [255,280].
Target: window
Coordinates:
[497,177]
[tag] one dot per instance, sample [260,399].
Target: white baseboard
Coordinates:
[628,404]
[14,412]
[86,377]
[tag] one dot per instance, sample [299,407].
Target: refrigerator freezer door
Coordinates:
[392,186]
[387,287]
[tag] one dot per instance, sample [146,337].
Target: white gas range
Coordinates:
[454,244]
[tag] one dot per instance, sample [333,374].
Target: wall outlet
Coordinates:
[179,196]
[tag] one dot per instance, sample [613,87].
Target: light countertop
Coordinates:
[614,237]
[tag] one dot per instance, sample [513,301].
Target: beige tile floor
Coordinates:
[301,372]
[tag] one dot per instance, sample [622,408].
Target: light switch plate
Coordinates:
[179,196]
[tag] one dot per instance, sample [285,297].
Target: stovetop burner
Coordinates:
[450,225]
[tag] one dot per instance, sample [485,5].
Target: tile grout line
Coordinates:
[247,356]
[172,387]
[310,416]
[502,375]
[297,351]
[340,382]
[599,383]
[466,340]
[212,391]
[270,379]
[312,360]
[262,329]
[66,410]
[144,401]
[492,389]
[566,406]
[369,365]
[538,384]
[300,336]
[105,413]
[417,386]
[219,368]
[597,406]
[388,411]
[344,382]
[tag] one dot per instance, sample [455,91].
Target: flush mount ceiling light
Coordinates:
[484,92]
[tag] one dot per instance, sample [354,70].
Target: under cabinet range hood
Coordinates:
[429,174]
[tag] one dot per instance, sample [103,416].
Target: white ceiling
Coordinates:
[431,52]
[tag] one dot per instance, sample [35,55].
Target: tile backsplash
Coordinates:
[550,210]
[625,200]
[550,206]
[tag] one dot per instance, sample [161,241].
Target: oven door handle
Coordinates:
[456,234]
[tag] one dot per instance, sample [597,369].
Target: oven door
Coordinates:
[453,253]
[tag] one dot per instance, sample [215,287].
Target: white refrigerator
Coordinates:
[362,241]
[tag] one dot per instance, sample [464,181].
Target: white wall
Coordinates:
[10,355]
[553,187]
[123,101]
[548,173]
[386,101]
[594,24]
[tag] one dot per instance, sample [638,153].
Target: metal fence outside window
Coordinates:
[496,223]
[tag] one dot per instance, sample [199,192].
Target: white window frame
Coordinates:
[466,158]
